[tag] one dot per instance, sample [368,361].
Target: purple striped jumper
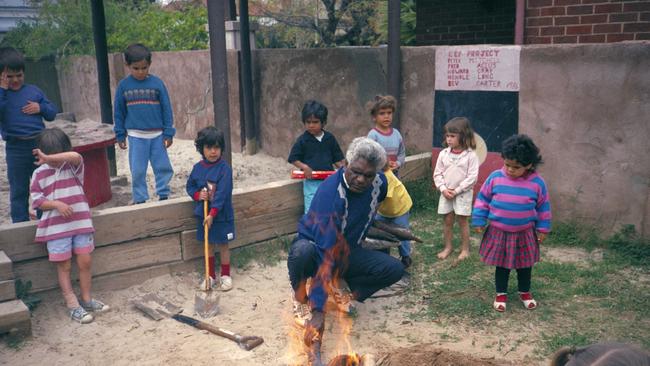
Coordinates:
[513,204]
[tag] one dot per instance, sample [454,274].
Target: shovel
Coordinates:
[157,308]
[206,301]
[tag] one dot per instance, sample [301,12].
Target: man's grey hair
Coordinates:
[367,149]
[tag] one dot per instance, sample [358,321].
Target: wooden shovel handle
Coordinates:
[206,253]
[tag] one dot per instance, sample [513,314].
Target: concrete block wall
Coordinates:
[446,22]
[586,21]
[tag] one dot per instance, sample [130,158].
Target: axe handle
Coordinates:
[247,343]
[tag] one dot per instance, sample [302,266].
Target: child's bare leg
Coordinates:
[447,235]
[224,254]
[63,272]
[464,234]
[84,262]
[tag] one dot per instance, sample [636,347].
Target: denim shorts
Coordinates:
[60,250]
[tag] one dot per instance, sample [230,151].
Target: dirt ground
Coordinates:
[258,305]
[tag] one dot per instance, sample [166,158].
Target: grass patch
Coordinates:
[581,302]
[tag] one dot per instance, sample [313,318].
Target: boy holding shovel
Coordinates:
[211,180]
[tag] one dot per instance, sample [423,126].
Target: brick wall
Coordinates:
[455,22]
[586,21]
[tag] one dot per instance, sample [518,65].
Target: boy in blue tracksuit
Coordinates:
[22,110]
[143,113]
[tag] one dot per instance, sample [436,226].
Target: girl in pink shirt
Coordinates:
[65,224]
[455,174]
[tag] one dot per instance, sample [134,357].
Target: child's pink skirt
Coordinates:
[510,250]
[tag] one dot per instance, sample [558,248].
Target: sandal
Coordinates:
[499,303]
[528,301]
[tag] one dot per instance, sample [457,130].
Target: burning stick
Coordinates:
[398,231]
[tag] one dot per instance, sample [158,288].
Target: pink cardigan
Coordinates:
[460,175]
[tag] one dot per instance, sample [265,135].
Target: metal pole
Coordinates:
[394,67]
[103,75]
[231,10]
[219,67]
[247,79]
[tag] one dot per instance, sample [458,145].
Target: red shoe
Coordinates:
[528,301]
[499,303]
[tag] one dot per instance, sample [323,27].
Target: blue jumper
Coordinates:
[15,123]
[142,105]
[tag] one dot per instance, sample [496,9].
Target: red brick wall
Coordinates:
[456,22]
[586,21]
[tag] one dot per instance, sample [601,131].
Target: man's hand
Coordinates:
[31,108]
[541,237]
[208,221]
[65,210]
[314,328]
[41,157]
[122,144]
[168,142]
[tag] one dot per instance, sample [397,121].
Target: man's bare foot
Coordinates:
[463,254]
[445,253]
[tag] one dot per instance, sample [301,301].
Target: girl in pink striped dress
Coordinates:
[65,225]
[515,201]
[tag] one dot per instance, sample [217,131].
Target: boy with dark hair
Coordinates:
[211,180]
[143,113]
[22,110]
[315,149]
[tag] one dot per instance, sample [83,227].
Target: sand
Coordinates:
[248,171]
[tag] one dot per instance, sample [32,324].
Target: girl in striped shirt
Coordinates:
[515,201]
[65,225]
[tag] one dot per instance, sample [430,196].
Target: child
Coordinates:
[57,191]
[454,176]
[610,354]
[315,149]
[214,174]
[22,110]
[515,200]
[143,112]
[395,208]
[382,110]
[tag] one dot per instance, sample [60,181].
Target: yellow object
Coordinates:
[398,201]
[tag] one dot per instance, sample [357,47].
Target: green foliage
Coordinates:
[321,23]
[23,290]
[64,27]
[407,22]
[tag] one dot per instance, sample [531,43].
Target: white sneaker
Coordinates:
[301,313]
[203,286]
[225,284]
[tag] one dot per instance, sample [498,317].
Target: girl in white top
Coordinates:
[455,174]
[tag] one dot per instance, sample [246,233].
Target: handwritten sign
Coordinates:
[485,68]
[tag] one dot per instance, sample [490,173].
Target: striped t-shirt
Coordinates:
[513,204]
[64,184]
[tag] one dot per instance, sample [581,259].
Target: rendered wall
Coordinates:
[587,107]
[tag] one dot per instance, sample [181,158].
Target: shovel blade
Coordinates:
[206,303]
